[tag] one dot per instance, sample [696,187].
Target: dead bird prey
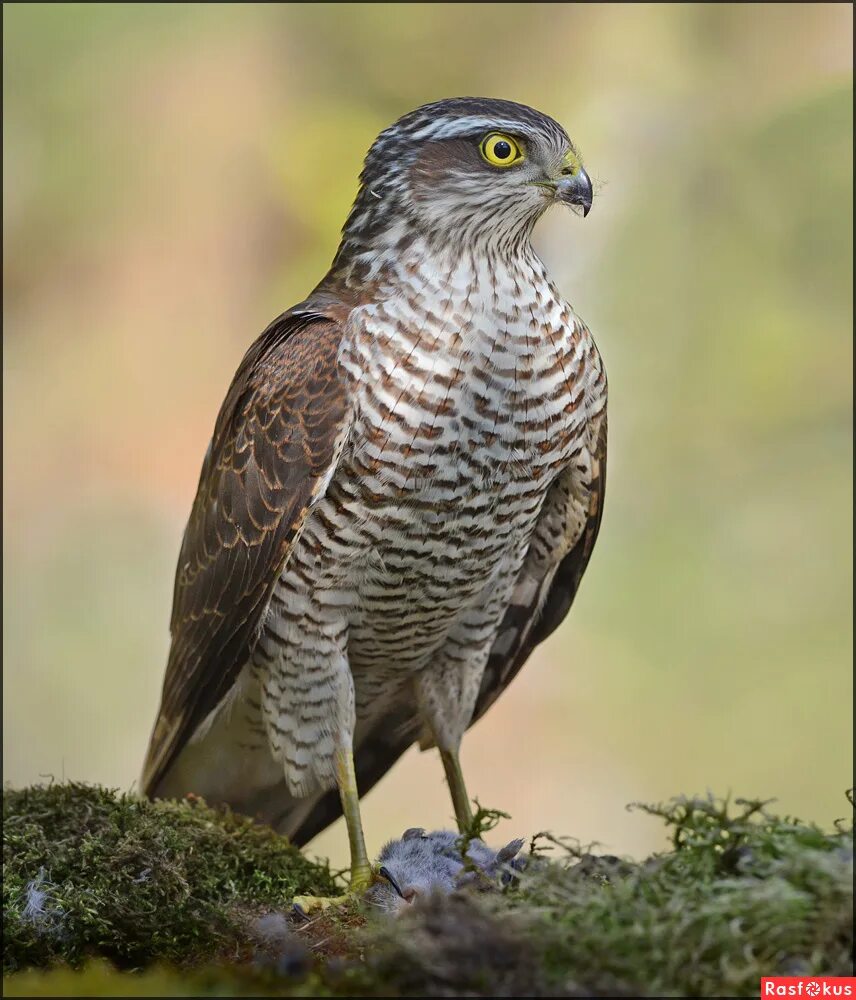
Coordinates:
[402,492]
[421,863]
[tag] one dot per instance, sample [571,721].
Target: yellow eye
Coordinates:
[500,150]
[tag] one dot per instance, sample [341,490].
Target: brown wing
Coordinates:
[277,439]
[537,611]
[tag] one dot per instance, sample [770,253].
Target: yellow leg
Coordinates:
[361,869]
[455,781]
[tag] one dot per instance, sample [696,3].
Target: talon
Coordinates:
[304,906]
[307,906]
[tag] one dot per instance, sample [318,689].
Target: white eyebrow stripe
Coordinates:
[449,128]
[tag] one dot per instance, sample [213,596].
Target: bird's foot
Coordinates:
[305,907]
[361,880]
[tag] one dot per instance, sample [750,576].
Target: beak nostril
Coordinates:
[567,171]
[575,190]
[410,894]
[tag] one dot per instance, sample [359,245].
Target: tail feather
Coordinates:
[230,763]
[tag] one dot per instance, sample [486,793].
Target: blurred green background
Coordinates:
[176,175]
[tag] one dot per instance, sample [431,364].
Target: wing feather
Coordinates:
[276,440]
[542,600]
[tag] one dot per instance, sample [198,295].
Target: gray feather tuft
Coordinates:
[420,864]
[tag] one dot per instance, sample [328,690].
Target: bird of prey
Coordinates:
[402,491]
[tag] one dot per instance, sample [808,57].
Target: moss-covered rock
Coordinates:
[742,894]
[89,872]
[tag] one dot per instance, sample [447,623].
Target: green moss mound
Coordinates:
[742,894]
[98,979]
[89,872]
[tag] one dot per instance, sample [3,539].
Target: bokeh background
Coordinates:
[176,175]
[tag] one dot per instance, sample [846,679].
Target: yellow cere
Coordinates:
[501,150]
[571,163]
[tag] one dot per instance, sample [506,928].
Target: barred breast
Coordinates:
[473,384]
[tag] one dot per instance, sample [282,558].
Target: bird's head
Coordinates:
[464,171]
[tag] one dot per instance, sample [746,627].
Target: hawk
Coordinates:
[402,492]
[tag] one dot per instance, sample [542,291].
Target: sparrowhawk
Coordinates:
[403,488]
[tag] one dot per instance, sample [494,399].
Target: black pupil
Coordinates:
[502,150]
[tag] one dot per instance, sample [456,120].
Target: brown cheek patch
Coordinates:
[437,159]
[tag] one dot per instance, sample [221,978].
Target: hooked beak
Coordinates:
[575,190]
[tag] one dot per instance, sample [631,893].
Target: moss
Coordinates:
[99,979]
[741,894]
[744,894]
[91,872]
[459,946]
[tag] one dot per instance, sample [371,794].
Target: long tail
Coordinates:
[231,764]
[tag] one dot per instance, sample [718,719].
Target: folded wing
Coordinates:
[276,443]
